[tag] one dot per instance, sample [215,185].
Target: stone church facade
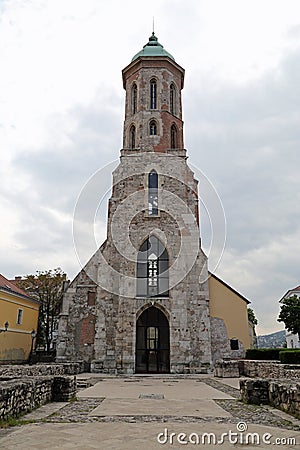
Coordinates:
[142,303]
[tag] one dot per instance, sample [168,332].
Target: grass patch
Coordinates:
[14,422]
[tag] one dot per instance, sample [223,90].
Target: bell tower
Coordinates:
[153,110]
[149,279]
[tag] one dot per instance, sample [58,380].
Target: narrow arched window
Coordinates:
[173,136]
[153,94]
[134,98]
[153,193]
[172,99]
[152,128]
[132,137]
[152,269]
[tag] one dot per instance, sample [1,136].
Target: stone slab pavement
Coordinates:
[188,397]
[137,413]
[144,436]
[171,388]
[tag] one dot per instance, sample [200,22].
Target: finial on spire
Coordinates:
[153,25]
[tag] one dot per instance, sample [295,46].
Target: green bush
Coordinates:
[263,353]
[290,356]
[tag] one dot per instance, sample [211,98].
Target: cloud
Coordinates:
[247,141]
[61,113]
[49,181]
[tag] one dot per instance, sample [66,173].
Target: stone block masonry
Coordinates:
[226,369]
[21,396]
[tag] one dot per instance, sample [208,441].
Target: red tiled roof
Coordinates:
[288,293]
[296,289]
[10,286]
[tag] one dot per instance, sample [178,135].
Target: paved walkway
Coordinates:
[137,413]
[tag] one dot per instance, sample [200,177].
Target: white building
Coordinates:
[292,340]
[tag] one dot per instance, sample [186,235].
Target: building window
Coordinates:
[132,137]
[153,193]
[91,298]
[134,98]
[20,317]
[152,269]
[234,344]
[172,99]
[152,128]
[173,136]
[152,338]
[153,94]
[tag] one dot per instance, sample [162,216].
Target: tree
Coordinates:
[47,287]
[251,317]
[290,314]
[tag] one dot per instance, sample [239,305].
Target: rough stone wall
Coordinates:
[255,392]
[270,369]
[116,308]
[285,396]
[220,343]
[16,371]
[18,396]
[281,395]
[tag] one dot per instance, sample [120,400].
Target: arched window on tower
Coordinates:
[132,137]
[153,94]
[153,193]
[172,99]
[134,98]
[152,128]
[173,136]
[152,269]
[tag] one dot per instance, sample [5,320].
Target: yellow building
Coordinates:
[229,320]
[18,319]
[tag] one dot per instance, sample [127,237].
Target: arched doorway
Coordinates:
[152,342]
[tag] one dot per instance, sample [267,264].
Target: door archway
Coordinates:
[152,342]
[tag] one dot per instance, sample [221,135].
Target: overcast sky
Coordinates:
[62,111]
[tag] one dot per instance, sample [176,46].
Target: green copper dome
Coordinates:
[153,48]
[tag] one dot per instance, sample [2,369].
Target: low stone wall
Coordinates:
[280,394]
[226,369]
[16,371]
[256,369]
[18,396]
[269,369]
[63,388]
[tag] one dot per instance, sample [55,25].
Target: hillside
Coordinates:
[273,340]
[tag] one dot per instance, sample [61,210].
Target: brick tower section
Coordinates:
[139,74]
[104,332]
